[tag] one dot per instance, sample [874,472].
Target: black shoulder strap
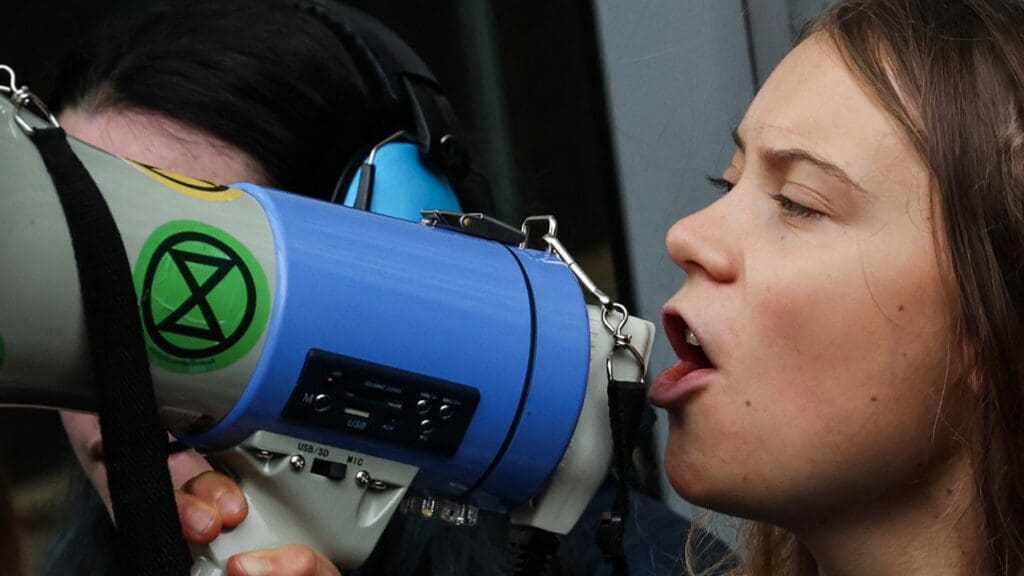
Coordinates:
[626,401]
[149,539]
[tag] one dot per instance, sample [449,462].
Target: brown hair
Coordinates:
[951,75]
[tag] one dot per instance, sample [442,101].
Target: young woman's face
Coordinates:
[817,291]
[157,141]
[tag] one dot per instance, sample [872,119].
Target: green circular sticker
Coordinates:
[203,296]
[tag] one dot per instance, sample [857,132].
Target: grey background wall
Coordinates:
[679,76]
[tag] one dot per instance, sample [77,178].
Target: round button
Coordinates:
[445,411]
[426,426]
[321,403]
[422,407]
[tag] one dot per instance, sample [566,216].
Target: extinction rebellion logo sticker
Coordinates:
[203,296]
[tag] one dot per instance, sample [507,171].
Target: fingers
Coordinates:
[290,560]
[200,522]
[222,493]
[207,504]
[211,502]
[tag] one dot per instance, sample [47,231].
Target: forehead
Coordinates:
[162,142]
[813,101]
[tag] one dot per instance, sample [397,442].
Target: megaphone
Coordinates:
[337,361]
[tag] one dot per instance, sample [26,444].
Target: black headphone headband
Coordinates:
[401,81]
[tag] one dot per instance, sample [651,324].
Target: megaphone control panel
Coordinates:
[388,404]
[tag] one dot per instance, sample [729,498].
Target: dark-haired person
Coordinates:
[211,104]
[246,90]
[851,331]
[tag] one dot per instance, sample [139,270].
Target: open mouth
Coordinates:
[693,370]
[685,342]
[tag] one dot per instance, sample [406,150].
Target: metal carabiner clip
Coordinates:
[616,330]
[636,355]
[23,98]
[622,341]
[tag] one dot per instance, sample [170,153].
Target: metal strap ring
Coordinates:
[617,329]
[22,98]
[552,223]
[633,351]
[13,87]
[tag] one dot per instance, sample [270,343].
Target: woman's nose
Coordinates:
[705,243]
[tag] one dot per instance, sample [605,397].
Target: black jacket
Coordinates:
[415,547]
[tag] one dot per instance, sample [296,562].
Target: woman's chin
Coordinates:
[703,491]
[687,482]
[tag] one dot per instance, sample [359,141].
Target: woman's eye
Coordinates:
[721,184]
[795,209]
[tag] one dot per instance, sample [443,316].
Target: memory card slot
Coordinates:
[350,411]
[362,406]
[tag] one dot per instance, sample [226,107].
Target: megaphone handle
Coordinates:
[204,567]
[334,501]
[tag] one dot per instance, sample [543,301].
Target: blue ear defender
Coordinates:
[395,180]
[421,166]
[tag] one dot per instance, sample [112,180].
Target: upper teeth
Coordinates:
[691,338]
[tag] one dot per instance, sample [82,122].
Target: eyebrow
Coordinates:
[791,155]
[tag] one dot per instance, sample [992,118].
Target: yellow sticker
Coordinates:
[193,187]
